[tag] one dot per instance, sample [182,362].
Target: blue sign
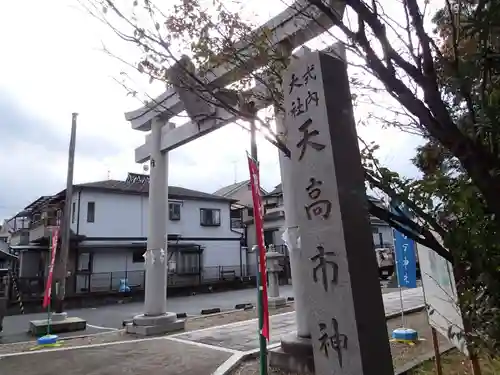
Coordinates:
[406,262]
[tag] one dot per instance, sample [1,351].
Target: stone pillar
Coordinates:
[296,351]
[156,319]
[345,308]
[273,269]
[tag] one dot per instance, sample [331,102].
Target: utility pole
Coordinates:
[66,221]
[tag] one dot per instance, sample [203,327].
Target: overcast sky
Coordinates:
[52,65]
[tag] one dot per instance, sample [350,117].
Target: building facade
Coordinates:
[109,227]
[274,224]
[241,194]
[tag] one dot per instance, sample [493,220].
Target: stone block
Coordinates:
[146,325]
[290,362]
[275,302]
[166,327]
[210,311]
[72,324]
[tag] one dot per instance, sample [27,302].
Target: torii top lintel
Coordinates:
[296,25]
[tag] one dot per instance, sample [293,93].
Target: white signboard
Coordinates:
[441,298]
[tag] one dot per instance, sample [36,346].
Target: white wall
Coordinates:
[122,215]
[115,260]
[280,224]
[108,267]
[221,253]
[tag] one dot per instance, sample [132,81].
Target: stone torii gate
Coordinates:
[295,26]
[341,325]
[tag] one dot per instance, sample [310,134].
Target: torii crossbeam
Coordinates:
[295,26]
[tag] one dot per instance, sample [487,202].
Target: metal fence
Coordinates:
[130,281]
[30,287]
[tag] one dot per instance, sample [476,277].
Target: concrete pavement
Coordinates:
[151,357]
[110,317]
[242,335]
[197,352]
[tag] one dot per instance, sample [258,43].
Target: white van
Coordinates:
[385,260]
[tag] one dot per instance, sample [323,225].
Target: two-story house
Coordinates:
[242,209]
[109,226]
[5,232]
[274,223]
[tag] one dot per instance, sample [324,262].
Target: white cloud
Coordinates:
[52,66]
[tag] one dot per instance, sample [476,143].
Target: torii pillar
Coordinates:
[155,319]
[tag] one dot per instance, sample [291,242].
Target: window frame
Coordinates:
[91,218]
[170,211]
[138,256]
[204,224]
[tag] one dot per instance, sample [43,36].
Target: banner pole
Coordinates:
[261,279]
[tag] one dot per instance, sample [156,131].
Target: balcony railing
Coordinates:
[42,228]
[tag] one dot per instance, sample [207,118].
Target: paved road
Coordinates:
[110,317]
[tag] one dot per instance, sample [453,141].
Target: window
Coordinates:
[73,212]
[187,263]
[90,212]
[174,211]
[209,217]
[374,230]
[84,261]
[250,211]
[138,256]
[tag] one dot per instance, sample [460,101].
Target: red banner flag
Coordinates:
[48,287]
[259,232]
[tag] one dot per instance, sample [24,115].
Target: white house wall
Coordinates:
[110,260]
[222,253]
[109,266]
[276,225]
[123,218]
[279,226]
[126,216]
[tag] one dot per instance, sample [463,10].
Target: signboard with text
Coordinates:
[441,298]
[338,264]
[406,262]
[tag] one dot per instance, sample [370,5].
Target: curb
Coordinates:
[210,311]
[233,361]
[243,306]
[409,311]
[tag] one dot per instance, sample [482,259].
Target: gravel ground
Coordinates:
[192,324]
[455,363]
[401,353]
